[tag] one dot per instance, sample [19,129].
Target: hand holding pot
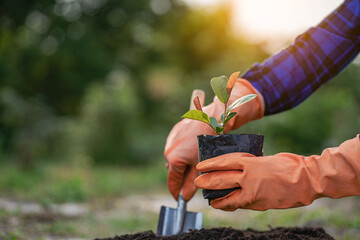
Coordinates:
[181,149]
[283,180]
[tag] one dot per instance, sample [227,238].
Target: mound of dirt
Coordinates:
[230,233]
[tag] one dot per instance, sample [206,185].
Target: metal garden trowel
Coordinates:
[173,221]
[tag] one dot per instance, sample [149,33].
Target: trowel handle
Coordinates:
[201,94]
[180,215]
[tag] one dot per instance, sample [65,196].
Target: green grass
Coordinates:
[60,228]
[96,186]
[58,183]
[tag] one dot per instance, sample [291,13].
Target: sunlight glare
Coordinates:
[263,19]
[272,19]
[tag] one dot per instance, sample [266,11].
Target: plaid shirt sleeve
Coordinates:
[290,76]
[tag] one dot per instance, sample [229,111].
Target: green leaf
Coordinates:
[214,123]
[218,85]
[219,130]
[230,116]
[222,118]
[197,115]
[240,101]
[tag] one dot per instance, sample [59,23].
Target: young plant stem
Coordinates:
[225,105]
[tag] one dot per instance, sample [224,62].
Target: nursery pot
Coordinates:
[212,146]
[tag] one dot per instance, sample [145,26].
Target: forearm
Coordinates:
[290,76]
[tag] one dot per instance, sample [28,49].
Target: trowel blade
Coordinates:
[167,220]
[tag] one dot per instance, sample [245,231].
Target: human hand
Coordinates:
[283,180]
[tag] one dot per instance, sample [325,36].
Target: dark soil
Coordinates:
[230,233]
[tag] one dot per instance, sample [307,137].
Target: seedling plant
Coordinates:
[222,87]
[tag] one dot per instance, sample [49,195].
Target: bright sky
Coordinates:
[274,19]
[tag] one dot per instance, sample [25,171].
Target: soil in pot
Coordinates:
[230,233]
[213,146]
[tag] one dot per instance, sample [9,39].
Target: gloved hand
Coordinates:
[284,180]
[181,149]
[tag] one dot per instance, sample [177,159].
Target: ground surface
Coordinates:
[235,234]
[87,203]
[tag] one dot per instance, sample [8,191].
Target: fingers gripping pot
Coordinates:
[212,146]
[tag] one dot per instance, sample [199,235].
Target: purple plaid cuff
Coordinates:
[290,76]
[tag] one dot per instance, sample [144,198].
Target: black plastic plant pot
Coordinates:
[212,146]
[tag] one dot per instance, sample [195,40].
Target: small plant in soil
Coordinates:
[211,146]
[222,87]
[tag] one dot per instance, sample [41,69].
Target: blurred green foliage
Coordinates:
[104,81]
[80,183]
